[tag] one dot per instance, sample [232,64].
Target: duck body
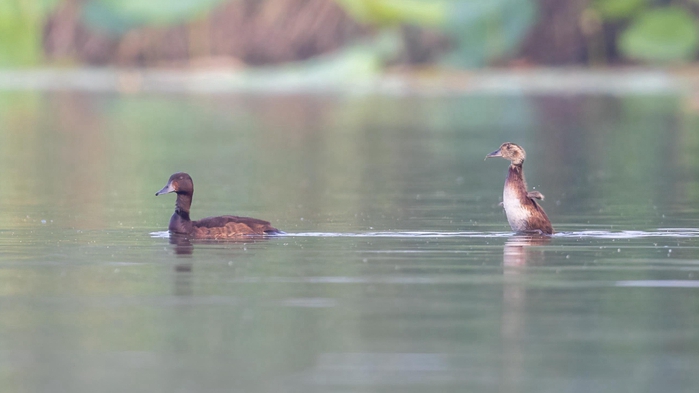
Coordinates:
[523,212]
[221,227]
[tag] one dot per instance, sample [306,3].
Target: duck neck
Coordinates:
[516,176]
[180,222]
[184,201]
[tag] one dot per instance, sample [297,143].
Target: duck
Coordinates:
[221,227]
[523,212]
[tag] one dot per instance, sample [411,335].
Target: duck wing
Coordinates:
[539,220]
[235,225]
[535,195]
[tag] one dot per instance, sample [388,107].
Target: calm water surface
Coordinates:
[398,273]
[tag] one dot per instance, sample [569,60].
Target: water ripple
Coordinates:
[660,232]
[658,283]
[410,234]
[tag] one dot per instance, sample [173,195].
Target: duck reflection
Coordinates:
[183,246]
[519,252]
[183,280]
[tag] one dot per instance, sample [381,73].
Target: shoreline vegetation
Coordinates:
[242,34]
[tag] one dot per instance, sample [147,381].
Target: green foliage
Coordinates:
[485,30]
[482,30]
[618,9]
[656,35]
[119,16]
[661,35]
[22,22]
[391,12]
[21,26]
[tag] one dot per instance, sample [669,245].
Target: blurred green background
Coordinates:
[245,33]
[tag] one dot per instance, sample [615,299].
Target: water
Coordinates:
[398,273]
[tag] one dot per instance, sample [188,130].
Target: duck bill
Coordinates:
[167,189]
[496,153]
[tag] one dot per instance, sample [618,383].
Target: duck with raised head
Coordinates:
[221,227]
[523,213]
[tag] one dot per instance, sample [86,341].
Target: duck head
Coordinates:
[510,151]
[180,183]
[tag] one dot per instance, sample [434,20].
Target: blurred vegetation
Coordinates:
[651,31]
[667,34]
[21,26]
[479,30]
[120,16]
[459,33]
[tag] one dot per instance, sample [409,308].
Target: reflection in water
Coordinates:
[183,280]
[517,254]
[183,246]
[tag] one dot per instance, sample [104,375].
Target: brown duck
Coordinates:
[523,213]
[222,227]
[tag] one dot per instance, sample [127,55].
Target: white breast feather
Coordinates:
[517,215]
